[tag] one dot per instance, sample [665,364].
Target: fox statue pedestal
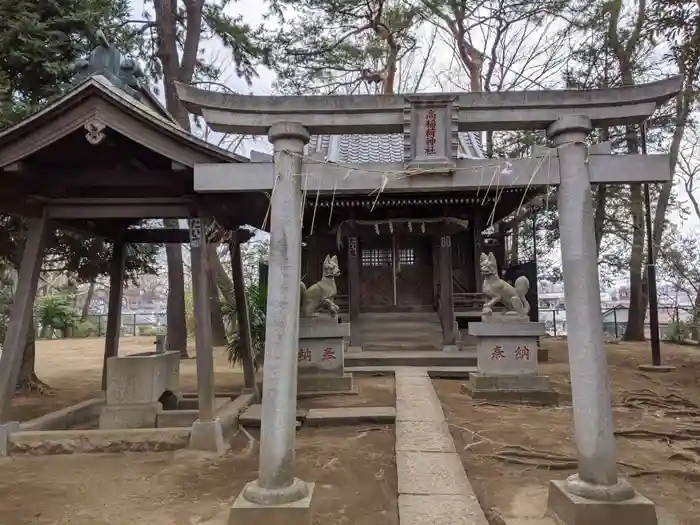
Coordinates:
[506,348]
[321,356]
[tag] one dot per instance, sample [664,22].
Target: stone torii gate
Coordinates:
[430,124]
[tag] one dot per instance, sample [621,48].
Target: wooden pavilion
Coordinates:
[97,161]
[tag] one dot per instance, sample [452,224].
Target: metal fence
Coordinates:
[615,321]
[135,324]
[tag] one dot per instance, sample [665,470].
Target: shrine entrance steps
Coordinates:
[438,361]
[400,331]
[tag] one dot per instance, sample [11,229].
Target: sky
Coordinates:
[253,15]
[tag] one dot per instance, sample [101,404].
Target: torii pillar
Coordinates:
[595,494]
[277,497]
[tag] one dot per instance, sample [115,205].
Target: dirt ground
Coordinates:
[73,369]
[353,468]
[371,392]
[664,466]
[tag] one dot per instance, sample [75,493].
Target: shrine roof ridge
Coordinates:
[340,114]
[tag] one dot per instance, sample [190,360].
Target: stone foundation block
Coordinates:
[244,512]
[208,436]
[5,430]
[526,383]
[570,509]
[134,415]
[325,383]
[527,389]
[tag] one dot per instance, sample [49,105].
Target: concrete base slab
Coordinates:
[324,383]
[324,417]
[656,368]
[253,414]
[440,510]
[353,350]
[124,416]
[208,436]
[40,442]
[5,430]
[324,393]
[244,512]
[570,509]
[68,417]
[528,389]
[450,348]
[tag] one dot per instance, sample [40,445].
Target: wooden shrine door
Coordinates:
[395,273]
[376,273]
[413,271]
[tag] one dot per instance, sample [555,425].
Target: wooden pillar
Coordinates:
[354,284]
[202,319]
[114,309]
[243,318]
[477,228]
[447,311]
[21,313]
[207,432]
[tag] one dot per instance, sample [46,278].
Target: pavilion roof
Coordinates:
[100,85]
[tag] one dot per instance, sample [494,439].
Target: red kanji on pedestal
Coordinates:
[328,354]
[522,353]
[304,355]
[497,354]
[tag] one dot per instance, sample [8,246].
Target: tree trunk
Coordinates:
[695,322]
[88,300]
[27,381]
[218,330]
[165,17]
[222,279]
[177,324]
[637,310]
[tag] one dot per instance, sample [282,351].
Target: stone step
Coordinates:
[403,328]
[452,372]
[319,417]
[424,359]
[429,317]
[402,346]
[397,336]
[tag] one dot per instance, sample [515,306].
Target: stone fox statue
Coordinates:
[512,297]
[320,295]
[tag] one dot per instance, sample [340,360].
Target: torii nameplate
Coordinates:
[430,131]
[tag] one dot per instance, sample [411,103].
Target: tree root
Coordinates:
[684,455]
[687,474]
[542,459]
[673,404]
[31,385]
[682,434]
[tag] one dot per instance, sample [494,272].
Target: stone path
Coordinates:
[433,487]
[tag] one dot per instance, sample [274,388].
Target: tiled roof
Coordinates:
[378,149]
